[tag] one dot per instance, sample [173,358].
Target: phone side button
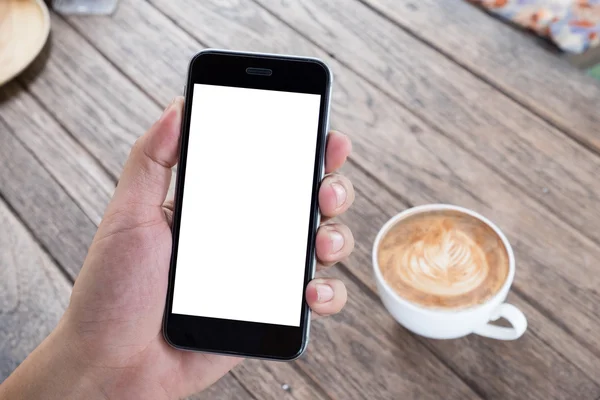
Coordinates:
[184,90]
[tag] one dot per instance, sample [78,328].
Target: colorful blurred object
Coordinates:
[573,25]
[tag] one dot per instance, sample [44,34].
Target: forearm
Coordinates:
[53,371]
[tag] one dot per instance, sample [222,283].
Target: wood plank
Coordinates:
[535,156]
[73,168]
[500,54]
[175,53]
[105,112]
[426,165]
[274,380]
[33,292]
[58,222]
[152,44]
[350,111]
[109,113]
[225,388]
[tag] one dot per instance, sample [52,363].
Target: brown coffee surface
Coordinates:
[443,259]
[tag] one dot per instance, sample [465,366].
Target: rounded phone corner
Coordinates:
[324,67]
[297,354]
[165,334]
[303,346]
[200,54]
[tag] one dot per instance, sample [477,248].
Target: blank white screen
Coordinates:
[246,204]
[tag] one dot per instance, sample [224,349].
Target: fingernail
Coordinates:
[324,293]
[340,194]
[337,241]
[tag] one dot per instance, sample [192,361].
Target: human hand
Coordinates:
[112,327]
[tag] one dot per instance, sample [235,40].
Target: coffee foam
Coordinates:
[443,259]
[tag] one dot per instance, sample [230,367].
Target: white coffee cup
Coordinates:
[451,324]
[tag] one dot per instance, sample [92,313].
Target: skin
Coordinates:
[109,343]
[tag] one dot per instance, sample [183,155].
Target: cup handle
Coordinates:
[513,315]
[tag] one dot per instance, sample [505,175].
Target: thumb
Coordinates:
[147,172]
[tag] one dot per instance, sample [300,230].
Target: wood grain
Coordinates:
[529,152]
[72,166]
[143,47]
[275,380]
[143,22]
[225,388]
[59,224]
[33,292]
[499,54]
[99,106]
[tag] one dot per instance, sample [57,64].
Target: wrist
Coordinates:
[55,370]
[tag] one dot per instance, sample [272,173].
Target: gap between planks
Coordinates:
[110,61]
[26,226]
[25,87]
[52,175]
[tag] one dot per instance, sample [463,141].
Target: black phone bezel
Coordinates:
[232,337]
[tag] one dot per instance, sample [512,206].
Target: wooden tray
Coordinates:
[24,29]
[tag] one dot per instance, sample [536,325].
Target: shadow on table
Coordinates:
[30,74]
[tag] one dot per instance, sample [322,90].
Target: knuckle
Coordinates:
[137,147]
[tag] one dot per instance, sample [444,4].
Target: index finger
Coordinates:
[338,149]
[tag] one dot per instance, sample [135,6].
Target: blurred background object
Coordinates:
[595,71]
[24,29]
[84,6]
[588,61]
[573,26]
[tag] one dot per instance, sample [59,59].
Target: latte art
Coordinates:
[449,264]
[443,259]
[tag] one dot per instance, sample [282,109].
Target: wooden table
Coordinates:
[443,103]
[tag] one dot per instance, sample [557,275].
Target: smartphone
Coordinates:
[246,204]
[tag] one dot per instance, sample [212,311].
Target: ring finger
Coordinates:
[334,243]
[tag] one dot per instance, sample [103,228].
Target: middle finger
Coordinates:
[336,195]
